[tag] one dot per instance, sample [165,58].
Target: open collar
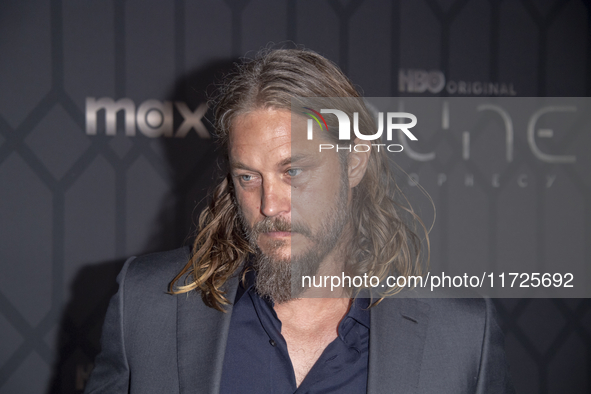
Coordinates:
[397,337]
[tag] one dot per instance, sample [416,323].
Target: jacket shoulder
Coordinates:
[464,314]
[153,272]
[462,310]
[462,330]
[148,308]
[139,343]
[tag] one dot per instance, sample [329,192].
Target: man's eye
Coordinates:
[246,178]
[294,172]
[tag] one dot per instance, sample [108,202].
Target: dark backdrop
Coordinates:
[74,205]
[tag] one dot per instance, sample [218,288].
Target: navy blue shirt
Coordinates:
[257,361]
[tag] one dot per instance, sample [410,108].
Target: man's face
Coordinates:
[292,198]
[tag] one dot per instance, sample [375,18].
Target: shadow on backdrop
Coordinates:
[192,168]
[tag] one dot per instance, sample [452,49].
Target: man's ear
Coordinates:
[357,164]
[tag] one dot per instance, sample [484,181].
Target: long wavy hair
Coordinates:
[383,243]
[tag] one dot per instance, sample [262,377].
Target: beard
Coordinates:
[278,277]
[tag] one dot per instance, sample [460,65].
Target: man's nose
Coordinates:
[276,198]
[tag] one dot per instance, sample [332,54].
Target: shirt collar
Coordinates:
[359,310]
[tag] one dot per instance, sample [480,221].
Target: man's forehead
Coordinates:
[272,144]
[275,133]
[260,126]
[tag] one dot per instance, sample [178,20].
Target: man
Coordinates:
[240,321]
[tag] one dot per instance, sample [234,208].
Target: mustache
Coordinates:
[269,224]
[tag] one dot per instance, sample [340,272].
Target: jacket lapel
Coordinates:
[396,341]
[202,333]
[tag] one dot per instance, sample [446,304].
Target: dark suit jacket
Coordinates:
[154,342]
